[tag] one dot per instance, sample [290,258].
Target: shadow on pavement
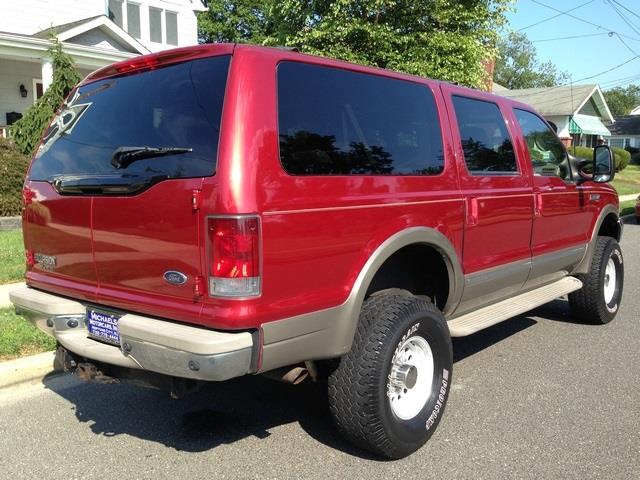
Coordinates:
[224,413]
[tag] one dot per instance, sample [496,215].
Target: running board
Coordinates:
[485,317]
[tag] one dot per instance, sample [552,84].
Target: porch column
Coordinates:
[47,73]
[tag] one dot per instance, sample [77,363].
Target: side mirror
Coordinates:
[604,168]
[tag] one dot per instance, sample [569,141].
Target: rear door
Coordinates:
[136,151]
[498,197]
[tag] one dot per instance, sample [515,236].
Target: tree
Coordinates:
[27,131]
[518,66]
[443,39]
[622,100]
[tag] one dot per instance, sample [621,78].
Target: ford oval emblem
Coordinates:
[175,278]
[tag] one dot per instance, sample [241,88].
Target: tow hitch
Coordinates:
[68,362]
[98,372]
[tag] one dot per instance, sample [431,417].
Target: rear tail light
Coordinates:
[234,256]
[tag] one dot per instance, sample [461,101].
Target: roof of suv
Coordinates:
[167,57]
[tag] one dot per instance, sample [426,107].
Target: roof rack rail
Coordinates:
[290,49]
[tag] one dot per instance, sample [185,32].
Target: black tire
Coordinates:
[358,388]
[589,304]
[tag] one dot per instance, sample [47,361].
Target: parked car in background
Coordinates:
[211,212]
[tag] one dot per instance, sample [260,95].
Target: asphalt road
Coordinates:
[539,397]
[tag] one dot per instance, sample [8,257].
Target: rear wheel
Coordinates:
[389,392]
[599,298]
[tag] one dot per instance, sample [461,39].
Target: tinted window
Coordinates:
[485,141]
[174,106]
[548,156]
[336,122]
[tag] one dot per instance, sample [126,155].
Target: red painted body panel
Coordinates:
[317,232]
[60,226]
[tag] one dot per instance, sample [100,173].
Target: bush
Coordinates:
[13,167]
[582,152]
[635,159]
[620,155]
[622,158]
[632,150]
[28,130]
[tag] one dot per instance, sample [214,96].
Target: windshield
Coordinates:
[177,108]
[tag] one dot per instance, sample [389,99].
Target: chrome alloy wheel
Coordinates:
[411,377]
[609,281]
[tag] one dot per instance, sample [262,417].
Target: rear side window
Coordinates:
[173,107]
[487,147]
[336,122]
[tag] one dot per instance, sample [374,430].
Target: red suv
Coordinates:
[216,211]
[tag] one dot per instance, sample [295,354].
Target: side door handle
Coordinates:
[472,211]
[537,207]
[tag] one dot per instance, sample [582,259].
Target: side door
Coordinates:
[498,197]
[563,213]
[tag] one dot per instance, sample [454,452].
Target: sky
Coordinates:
[604,48]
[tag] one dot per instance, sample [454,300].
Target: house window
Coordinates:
[617,142]
[115,12]
[133,19]
[37,89]
[155,24]
[171,21]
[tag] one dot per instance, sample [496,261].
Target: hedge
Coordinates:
[13,167]
[620,155]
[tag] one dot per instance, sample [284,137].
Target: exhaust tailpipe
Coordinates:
[290,375]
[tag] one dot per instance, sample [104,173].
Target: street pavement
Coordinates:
[540,396]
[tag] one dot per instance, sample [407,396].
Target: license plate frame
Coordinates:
[103,325]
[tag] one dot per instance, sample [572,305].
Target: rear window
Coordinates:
[337,122]
[487,147]
[176,108]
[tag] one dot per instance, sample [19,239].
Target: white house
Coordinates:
[578,111]
[625,132]
[94,32]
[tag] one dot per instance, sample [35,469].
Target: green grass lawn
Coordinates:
[19,338]
[11,256]
[628,180]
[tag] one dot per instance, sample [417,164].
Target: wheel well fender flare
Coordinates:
[585,263]
[403,238]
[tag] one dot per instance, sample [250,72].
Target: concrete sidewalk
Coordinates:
[626,198]
[27,369]
[4,293]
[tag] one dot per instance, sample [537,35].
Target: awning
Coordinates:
[588,125]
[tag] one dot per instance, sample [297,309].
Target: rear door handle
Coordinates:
[472,211]
[537,207]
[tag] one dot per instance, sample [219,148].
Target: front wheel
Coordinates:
[389,392]
[599,298]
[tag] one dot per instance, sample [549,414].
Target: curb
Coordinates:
[4,293]
[27,369]
[10,223]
